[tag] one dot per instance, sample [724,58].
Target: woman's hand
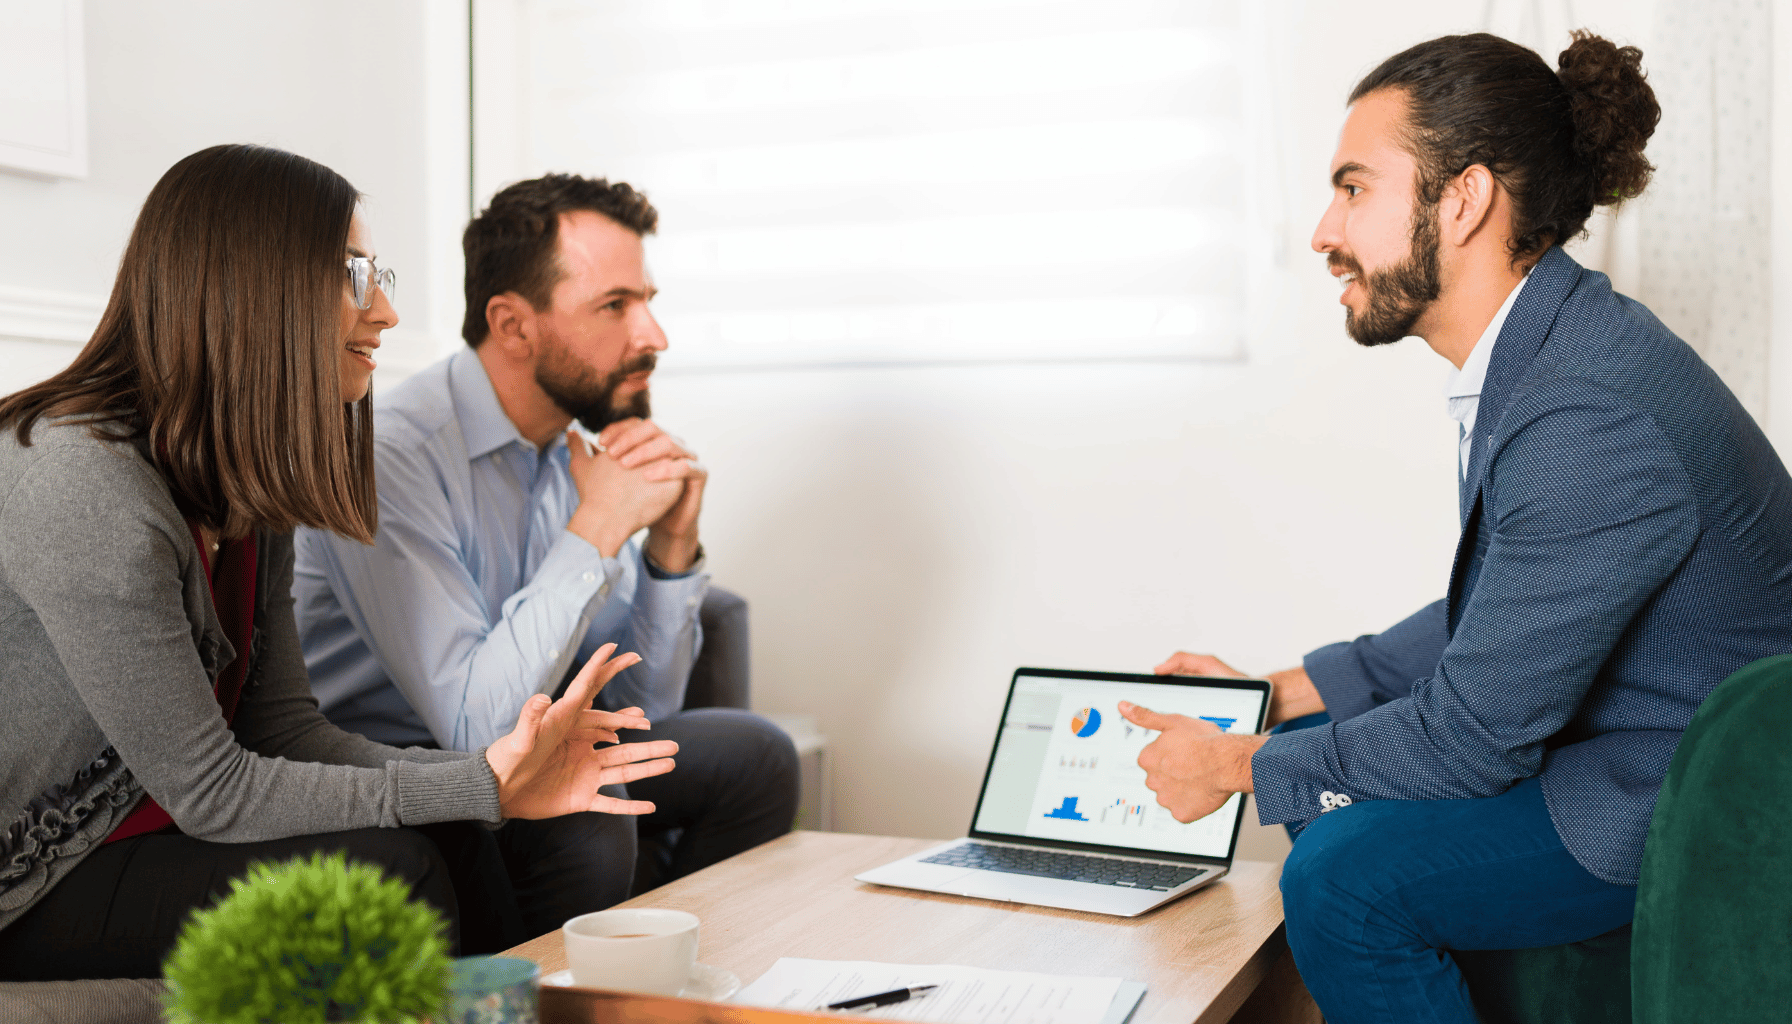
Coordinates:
[547,766]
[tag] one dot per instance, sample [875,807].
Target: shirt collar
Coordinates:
[1466,382]
[483,422]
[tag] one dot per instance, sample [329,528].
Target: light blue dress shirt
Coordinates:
[474,596]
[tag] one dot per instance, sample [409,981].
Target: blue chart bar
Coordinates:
[1066,811]
[1225,724]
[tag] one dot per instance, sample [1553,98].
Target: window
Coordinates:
[898,181]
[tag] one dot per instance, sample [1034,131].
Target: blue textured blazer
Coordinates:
[1626,544]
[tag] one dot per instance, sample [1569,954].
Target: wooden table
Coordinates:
[1216,955]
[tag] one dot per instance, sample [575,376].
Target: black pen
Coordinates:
[883,998]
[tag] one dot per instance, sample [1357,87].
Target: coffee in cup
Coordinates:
[634,950]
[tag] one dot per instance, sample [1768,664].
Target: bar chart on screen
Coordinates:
[1091,788]
[1124,812]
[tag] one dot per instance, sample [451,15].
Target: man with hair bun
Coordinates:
[1482,774]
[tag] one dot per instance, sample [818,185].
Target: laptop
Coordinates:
[1064,818]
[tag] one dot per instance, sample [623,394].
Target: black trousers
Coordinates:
[119,912]
[735,787]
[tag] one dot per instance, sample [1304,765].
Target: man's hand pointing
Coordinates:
[1193,767]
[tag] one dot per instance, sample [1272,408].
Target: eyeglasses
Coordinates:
[364,275]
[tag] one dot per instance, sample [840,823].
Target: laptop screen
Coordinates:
[1065,765]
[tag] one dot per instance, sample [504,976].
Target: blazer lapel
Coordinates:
[1526,329]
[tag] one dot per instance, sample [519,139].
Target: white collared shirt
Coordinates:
[1462,388]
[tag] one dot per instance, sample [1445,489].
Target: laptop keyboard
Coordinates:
[1074,867]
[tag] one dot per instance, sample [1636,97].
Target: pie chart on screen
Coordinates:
[1085,722]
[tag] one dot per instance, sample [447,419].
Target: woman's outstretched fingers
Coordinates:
[582,734]
[611,805]
[638,770]
[630,753]
[535,709]
[598,670]
[549,764]
[612,720]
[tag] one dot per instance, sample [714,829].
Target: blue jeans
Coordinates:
[1377,893]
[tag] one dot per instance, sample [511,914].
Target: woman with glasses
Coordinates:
[159,731]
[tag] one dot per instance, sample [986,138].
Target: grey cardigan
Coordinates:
[108,648]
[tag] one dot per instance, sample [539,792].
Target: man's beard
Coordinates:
[588,396]
[1399,294]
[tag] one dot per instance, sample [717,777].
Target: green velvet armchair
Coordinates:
[1712,939]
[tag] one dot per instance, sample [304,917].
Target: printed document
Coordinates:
[966,995]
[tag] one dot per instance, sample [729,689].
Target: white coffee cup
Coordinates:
[638,950]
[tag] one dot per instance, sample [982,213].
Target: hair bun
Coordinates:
[1614,112]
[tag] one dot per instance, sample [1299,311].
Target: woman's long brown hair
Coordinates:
[220,346]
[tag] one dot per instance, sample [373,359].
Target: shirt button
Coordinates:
[555,653]
[588,577]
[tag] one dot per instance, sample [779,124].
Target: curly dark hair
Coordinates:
[1559,142]
[511,245]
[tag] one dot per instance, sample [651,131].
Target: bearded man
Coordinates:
[504,556]
[1482,774]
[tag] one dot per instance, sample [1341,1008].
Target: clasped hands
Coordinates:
[1193,766]
[641,477]
[548,766]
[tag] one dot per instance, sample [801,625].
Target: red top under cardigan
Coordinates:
[233,599]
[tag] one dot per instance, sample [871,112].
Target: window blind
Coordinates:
[908,181]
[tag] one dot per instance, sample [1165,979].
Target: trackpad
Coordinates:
[915,874]
[1021,888]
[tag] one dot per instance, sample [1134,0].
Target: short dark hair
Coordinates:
[221,347]
[1559,142]
[510,246]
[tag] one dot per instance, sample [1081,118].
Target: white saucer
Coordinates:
[711,984]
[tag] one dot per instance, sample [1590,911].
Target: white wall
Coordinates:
[365,88]
[907,537]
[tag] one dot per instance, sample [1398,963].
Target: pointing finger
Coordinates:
[1146,718]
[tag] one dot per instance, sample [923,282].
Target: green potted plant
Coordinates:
[310,941]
